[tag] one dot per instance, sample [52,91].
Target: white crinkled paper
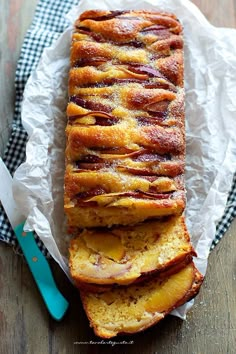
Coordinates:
[210,82]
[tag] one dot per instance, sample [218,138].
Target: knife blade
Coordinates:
[6,197]
[56,303]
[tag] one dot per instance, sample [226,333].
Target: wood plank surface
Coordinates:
[26,328]
[15,18]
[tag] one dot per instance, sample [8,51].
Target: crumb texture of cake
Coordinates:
[122,255]
[125,134]
[134,308]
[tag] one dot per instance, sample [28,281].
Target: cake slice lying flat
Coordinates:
[134,308]
[122,255]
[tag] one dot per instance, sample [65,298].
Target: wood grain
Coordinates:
[15,18]
[25,326]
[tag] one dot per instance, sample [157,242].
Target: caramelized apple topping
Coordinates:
[159,108]
[126,121]
[108,16]
[133,194]
[157,120]
[145,157]
[91,193]
[144,69]
[97,61]
[93,106]
[97,37]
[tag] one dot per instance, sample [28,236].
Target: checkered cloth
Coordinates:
[49,22]
[229,215]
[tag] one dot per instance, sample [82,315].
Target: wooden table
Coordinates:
[25,326]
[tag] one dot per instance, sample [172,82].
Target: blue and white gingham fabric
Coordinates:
[49,22]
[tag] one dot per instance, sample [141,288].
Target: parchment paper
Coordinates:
[210,82]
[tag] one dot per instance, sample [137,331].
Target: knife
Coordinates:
[56,304]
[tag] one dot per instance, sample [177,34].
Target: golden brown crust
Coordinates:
[125,118]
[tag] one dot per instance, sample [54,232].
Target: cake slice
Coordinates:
[122,255]
[131,309]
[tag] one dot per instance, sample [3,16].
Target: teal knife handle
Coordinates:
[40,269]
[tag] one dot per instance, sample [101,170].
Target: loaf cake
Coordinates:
[136,307]
[131,256]
[122,255]
[125,133]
